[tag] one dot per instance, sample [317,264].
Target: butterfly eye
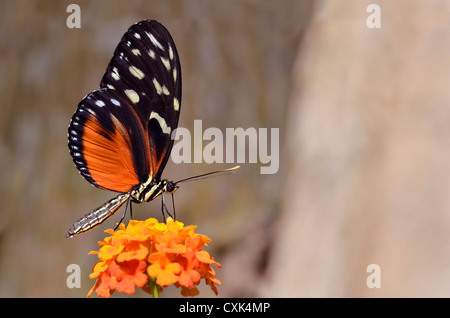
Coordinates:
[170,187]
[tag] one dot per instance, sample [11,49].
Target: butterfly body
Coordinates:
[145,192]
[150,190]
[120,135]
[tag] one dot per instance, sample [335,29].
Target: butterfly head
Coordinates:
[169,186]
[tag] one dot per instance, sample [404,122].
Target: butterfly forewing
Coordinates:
[146,69]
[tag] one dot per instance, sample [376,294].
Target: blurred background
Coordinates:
[364,122]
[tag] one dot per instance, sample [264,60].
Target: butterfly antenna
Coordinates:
[210,174]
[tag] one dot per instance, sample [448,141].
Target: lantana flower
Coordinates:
[151,255]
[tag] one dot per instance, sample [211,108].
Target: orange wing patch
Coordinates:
[108,155]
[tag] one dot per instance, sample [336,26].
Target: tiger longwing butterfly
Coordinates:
[120,135]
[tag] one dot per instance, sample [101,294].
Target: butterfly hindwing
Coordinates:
[108,143]
[146,69]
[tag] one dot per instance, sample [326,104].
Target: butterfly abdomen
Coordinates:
[97,216]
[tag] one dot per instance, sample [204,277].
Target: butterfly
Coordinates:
[120,135]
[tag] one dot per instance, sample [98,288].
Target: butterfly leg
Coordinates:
[131,211]
[173,205]
[164,208]
[124,214]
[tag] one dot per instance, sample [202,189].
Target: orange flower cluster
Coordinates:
[146,253]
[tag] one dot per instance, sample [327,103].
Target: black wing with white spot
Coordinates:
[145,69]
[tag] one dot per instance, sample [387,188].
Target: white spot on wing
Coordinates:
[176,104]
[115,74]
[115,102]
[136,52]
[166,63]
[162,123]
[136,72]
[170,53]
[151,53]
[165,90]
[132,95]
[155,41]
[157,86]
[100,103]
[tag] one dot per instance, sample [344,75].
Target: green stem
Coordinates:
[155,288]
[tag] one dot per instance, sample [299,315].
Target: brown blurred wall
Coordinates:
[369,116]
